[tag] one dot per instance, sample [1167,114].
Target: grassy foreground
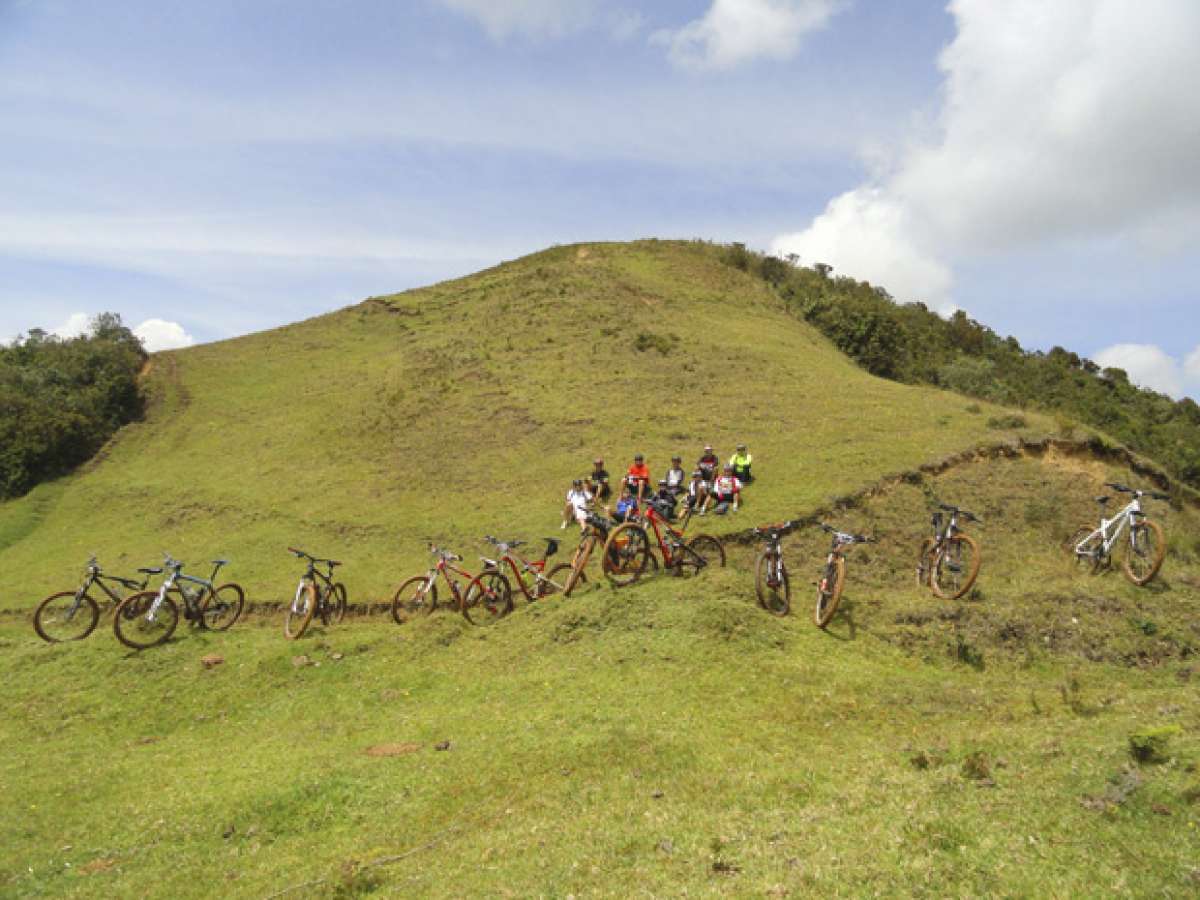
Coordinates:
[466,408]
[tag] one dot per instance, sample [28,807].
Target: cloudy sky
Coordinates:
[208,169]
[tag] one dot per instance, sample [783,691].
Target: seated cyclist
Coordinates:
[697,493]
[597,481]
[579,502]
[727,491]
[741,464]
[627,506]
[666,499]
[637,479]
[708,463]
[676,480]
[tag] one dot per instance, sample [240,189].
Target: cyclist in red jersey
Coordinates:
[638,478]
[727,491]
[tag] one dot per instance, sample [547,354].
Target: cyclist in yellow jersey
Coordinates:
[740,461]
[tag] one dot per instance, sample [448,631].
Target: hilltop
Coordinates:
[465,408]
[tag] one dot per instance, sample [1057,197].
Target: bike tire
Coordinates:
[1141,563]
[562,575]
[56,609]
[949,558]
[488,599]
[1091,563]
[133,629]
[336,604]
[578,563]
[924,562]
[774,598]
[705,546]
[625,554]
[412,599]
[829,592]
[222,607]
[297,618]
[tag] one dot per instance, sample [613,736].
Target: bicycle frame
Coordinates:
[190,600]
[673,548]
[97,578]
[536,568]
[1118,523]
[444,568]
[313,576]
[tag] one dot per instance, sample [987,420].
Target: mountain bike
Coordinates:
[948,562]
[486,599]
[628,547]
[530,577]
[149,618]
[770,573]
[595,531]
[316,594]
[833,578]
[1145,548]
[73,615]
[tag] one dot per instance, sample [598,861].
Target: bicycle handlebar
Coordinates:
[444,554]
[1125,489]
[850,538]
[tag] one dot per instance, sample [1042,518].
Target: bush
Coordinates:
[1149,745]
[1006,422]
[648,340]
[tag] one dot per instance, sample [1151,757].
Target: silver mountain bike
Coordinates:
[1142,539]
[149,618]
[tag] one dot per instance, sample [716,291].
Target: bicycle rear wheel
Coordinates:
[1088,556]
[925,562]
[829,591]
[562,575]
[301,611]
[1144,552]
[955,567]
[771,584]
[336,603]
[59,618]
[415,597]
[488,598]
[708,552]
[222,607]
[136,626]
[625,554]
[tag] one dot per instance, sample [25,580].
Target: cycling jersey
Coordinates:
[726,486]
[675,479]
[638,473]
[741,460]
[709,461]
[579,500]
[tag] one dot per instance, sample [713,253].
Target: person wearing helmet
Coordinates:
[579,503]
[697,493]
[708,464]
[665,499]
[727,491]
[676,480]
[740,461]
[597,481]
[638,477]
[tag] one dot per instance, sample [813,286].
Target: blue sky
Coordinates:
[224,167]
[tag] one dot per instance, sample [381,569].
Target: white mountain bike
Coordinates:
[1144,543]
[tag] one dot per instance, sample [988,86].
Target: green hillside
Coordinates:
[466,408]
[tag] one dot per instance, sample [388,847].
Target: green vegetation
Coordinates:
[60,400]
[465,409]
[910,343]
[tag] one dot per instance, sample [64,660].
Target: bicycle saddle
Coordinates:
[333,562]
[551,546]
[157,571]
[220,562]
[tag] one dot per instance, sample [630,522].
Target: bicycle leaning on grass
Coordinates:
[73,615]
[530,576]
[627,552]
[948,562]
[317,594]
[833,578]
[486,599]
[150,617]
[770,572]
[1145,547]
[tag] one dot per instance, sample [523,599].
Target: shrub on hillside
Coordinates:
[60,400]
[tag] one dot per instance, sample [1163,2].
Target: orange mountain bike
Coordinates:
[628,548]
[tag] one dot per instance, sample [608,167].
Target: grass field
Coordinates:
[665,739]
[466,408]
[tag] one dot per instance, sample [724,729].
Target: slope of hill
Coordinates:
[466,408]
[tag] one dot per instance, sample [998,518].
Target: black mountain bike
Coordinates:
[317,594]
[149,618]
[770,573]
[948,562]
[73,615]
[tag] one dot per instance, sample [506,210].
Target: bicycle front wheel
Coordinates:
[829,591]
[955,567]
[1144,552]
[625,554]
[300,613]
[60,617]
[416,597]
[562,575]
[771,584]
[137,624]
[222,607]
[488,598]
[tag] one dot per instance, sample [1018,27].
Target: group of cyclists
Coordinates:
[710,486]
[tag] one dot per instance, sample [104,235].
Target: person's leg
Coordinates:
[567,515]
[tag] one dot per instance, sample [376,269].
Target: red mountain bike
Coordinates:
[530,577]
[629,548]
[486,599]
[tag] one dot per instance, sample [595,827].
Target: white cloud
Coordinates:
[77,324]
[1148,366]
[1191,366]
[1061,121]
[532,18]
[733,32]
[159,334]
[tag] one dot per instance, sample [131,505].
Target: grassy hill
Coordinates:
[664,739]
[466,408]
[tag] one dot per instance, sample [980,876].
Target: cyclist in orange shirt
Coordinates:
[638,477]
